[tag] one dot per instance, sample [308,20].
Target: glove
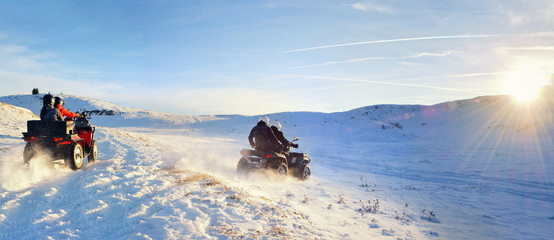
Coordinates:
[294,145]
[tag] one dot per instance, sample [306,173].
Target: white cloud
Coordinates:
[23,83]
[516,19]
[19,57]
[11,48]
[368,6]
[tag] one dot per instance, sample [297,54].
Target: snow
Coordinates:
[479,168]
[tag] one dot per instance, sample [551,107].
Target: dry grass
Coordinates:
[209,179]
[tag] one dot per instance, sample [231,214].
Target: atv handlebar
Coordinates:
[82,115]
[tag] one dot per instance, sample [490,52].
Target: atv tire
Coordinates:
[304,173]
[93,155]
[282,169]
[242,166]
[74,156]
[29,152]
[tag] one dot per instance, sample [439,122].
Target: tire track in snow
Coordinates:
[89,198]
[531,190]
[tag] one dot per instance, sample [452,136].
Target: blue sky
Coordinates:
[255,57]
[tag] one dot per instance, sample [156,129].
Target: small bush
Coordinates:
[35,91]
[369,208]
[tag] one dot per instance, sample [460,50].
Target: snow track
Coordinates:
[128,193]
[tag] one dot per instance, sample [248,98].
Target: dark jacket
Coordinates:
[49,113]
[280,136]
[262,138]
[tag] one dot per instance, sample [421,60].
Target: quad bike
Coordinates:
[283,163]
[71,141]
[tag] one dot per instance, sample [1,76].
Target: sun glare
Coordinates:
[524,86]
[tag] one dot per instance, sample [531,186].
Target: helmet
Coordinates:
[276,124]
[265,119]
[47,100]
[58,101]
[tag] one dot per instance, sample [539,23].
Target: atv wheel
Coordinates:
[304,173]
[282,170]
[74,156]
[93,155]
[29,152]
[242,165]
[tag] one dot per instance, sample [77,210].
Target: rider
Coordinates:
[58,103]
[276,128]
[262,137]
[48,111]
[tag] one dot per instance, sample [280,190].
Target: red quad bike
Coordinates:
[283,163]
[71,141]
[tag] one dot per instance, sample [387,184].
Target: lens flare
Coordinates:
[524,86]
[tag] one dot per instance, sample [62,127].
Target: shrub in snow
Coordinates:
[371,207]
[341,199]
[306,200]
[429,216]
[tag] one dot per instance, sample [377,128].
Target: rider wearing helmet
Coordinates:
[58,103]
[262,137]
[48,112]
[276,128]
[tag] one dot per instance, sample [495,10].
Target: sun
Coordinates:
[524,86]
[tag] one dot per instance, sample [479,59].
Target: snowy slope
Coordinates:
[98,108]
[13,122]
[470,169]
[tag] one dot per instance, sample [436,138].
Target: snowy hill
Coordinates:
[12,123]
[471,169]
[98,108]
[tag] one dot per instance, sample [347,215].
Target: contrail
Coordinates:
[393,40]
[397,83]
[357,60]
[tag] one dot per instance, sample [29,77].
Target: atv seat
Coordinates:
[49,128]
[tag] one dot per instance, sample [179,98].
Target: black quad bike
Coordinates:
[71,141]
[283,163]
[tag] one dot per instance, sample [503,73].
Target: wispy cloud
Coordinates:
[393,40]
[357,60]
[19,82]
[19,57]
[396,83]
[11,48]
[528,48]
[368,6]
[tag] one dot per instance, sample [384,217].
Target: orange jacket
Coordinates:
[66,113]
